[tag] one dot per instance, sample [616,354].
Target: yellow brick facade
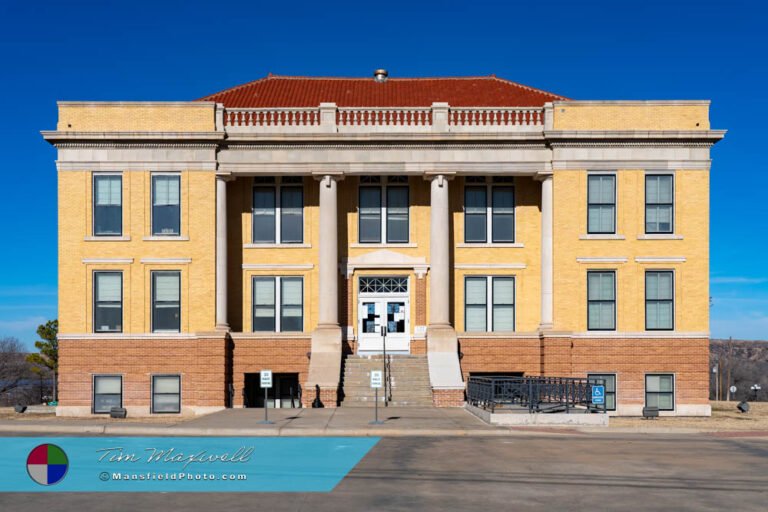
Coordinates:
[631,116]
[80,253]
[136,117]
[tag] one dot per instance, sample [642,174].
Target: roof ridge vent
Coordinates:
[380,75]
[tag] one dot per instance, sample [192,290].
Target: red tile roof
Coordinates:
[299,91]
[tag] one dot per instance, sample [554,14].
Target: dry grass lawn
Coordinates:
[724,417]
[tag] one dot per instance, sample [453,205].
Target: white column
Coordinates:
[439,251]
[547,319]
[329,253]
[221,253]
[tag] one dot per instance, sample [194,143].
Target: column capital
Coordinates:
[543,175]
[440,176]
[224,176]
[328,175]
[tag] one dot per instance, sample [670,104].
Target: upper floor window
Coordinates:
[601,300]
[166,205]
[384,210]
[278,210]
[166,301]
[107,205]
[478,209]
[107,301]
[278,304]
[659,300]
[482,291]
[601,204]
[659,203]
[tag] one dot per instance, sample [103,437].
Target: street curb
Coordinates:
[282,431]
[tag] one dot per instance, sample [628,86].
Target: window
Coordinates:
[268,293]
[659,300]
[166,301]
[659,200]
[166,205]
[601,204]
[107,301]
[107,205]
[601,300]
[383,210]
[278,210]
[499,292]
[477,210]
[609,379]
[660,391]
[107,392]
[166,393]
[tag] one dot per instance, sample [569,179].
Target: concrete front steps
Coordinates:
[410,381]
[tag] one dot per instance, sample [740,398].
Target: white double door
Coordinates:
[390,311]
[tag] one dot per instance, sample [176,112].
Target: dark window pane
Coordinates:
[291,215]
[601,201]
[166,205]
[104,403]
[370,215]
[107,205]
[397,214]
[503,210]
[475,214]
[166,306]
[264,215]
[291,307]
[264,304]
[108,301]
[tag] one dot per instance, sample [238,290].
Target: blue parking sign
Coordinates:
[598,395]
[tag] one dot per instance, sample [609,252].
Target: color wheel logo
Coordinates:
[47,464]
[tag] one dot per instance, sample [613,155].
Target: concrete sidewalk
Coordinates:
[398,422]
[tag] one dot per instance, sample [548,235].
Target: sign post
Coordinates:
[376,383]
[266,383]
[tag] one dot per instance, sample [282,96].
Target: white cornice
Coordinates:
[629,103]
[618,259]
[276,266]
[99,261]
[490,266]
[166,261]
[660,259]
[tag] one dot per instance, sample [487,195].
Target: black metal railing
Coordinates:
[537,394]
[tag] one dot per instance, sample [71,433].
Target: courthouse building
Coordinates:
[492,228]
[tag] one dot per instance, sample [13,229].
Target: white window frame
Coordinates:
[489,301]
[674,298]
[278,185]
[152,205]
[93,204]
[152,300]
[152,392]
[279,302]
[382,185]
[490,184]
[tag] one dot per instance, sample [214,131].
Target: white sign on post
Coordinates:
[376,379]
[266,378]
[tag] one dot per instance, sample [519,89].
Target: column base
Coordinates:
[443,358]
[324,366]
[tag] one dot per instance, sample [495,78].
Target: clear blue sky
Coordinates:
[182,50]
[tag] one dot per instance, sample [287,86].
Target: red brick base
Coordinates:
[448,397]
[329,397]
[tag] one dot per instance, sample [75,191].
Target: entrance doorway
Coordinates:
[384,302]
[284,393]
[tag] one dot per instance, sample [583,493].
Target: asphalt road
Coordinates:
[553,473]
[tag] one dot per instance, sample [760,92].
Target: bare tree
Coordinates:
[13,366]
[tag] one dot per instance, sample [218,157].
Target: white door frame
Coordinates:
[372,343]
